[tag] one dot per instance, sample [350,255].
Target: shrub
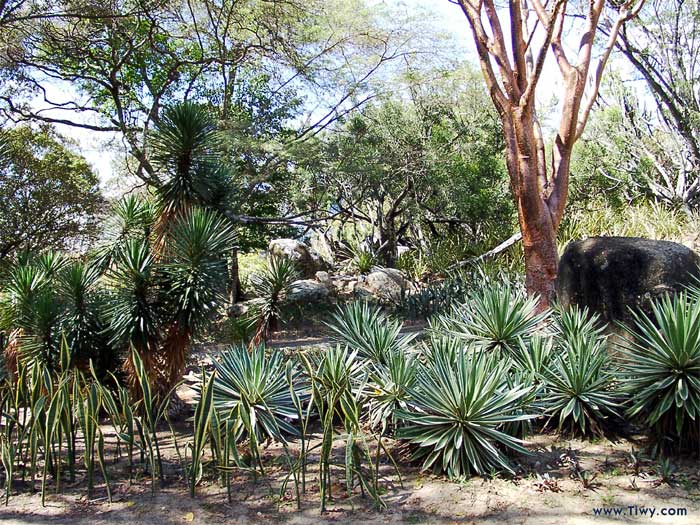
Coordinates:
[459,411]
[271,286]
[389,387]
[661,370]
[579,385]
[495,318]
[366,330]
[251,389]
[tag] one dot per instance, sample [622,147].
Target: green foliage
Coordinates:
[389,388]
[457,414]
[579,387]
[272,286]
[196,265]
[367,331]
[495,318]
[251,390]
[49,194]
[661,370]
[184,146]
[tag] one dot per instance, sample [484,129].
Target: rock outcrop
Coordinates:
[610,275]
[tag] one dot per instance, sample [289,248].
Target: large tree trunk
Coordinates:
[512,74]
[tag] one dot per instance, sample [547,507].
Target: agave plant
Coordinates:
[271,286]
[661,370]
[532,357]
[388,388]
[580,386]
[252,389]
[574,322]
[495,318]
[366,330]
[459,411]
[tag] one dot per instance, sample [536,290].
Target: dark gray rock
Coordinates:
[306,259]
[309,291]
[611,274]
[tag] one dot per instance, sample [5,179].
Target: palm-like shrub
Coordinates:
[31,314]
[271,286]
[459,410]
[661,370]
[83,324]
[184,150]
[253,390]
[579,386]
[366,330]
[495,318]
[194,276]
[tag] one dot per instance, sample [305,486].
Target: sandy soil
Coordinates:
[546,492]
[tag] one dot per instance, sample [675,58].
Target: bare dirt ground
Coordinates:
[547,492]
[561,482]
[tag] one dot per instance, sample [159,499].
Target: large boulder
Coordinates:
[306,259]
[611,274]
[307,291]
[382,283]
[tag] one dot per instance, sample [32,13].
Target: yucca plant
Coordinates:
[579,385]
[83,323]
[130,218]
[271,286]
[193,281]
[184,150]
[495,318]
[458,413]
[359,257]
[660,367]
[366,330]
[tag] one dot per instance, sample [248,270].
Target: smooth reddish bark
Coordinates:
[512,71]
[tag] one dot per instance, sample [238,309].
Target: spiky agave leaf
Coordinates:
[532,357]
[459,410]
[495,318]
[365,329]
[661,369]
[252,389]
[580,386]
